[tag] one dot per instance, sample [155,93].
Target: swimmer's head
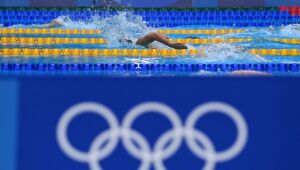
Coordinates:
[125,40]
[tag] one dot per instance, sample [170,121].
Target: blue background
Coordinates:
[269,105]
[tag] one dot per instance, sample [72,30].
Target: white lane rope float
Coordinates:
[167,144]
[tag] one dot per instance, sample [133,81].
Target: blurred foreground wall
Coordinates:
[152,3]
[260,113]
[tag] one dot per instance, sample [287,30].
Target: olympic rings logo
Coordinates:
[161,151]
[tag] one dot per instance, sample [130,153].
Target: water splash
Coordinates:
[288,31]
[292,31]
[228,52]
[120,26]
[126,24]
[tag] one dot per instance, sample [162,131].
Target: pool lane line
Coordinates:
[49,40]
[99,52]
[55,52]
[48,31]
[93,41]
[56,40]
[235,40]
[96,31]
[212,40]
[287,40]
[195,40]
[200,31]
[275,52]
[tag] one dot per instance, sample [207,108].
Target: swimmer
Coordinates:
[142,41]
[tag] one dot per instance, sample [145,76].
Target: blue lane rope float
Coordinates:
[174,23]
[164,17]
[167,53]
[148,67]
[241,13]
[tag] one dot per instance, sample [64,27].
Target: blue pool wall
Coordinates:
[153,3]
[30,108]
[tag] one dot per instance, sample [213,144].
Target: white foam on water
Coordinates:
[227,51]
[292,31]
[288,31]
[120,26]
[130,26]
[125,24]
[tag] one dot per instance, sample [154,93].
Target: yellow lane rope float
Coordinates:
[99,52]
[49,41]
[132,52]
[212,40]
[205,31]
[287,41]
[48,31]
[275,52]
[95,31]
[235,40]
[53,40]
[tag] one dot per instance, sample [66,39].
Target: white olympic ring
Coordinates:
[149,157]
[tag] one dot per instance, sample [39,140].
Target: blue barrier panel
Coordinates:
[173,123]
[8,123]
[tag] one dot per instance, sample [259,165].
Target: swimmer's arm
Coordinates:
[52,24]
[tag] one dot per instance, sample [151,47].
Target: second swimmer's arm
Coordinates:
[52,24]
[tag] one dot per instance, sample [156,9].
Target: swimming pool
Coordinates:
[219,40]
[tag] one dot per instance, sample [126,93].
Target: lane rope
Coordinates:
[132,52]
[58,40]
[49,40]
[204,31]
[275,52]
[96,31]
[48,31]
[99,52]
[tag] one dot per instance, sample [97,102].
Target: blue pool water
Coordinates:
[132,26]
